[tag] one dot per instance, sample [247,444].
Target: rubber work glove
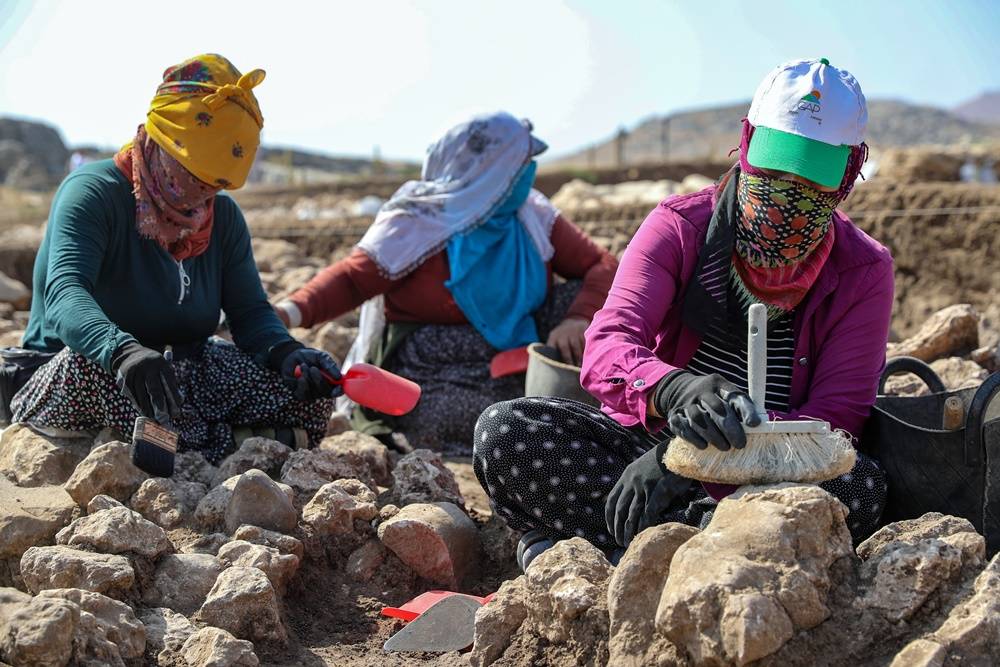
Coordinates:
[641,495]
[705,409]
[309,384]
[148,380]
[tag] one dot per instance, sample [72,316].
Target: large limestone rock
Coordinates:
[275,255]
[182,582]
[254,453]
[285,544]
[259,501]
[634,594]
[948,332]
[557,614]
[243,602]
[306,470]
[437,541]
[374,453]
[166,632]
[117,530]
[166,502]
[30,459]
[279,567]
[422,477]
[107,469]
[14,292]
[31,516]
[757,574]
[108,632]
[61,567]
[37,631]
[213,647]
[211,510]
[336,506]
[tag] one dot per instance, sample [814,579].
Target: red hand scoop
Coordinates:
[509,362]
[376,388]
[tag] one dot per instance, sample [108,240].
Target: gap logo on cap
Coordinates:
[810,103]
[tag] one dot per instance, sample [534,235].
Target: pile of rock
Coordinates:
[104,565]
[772,580]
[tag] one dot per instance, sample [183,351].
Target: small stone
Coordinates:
[182,581]
[438,541]
[365,561]
[306,470]
[206,544]
[254,453]
[259,501]
[30,459]
[211,510]
[40,631]
[109,632]
[166,632]
[336,506]
[115,531]
[286,544]
[279,568]
[166,502]
[387,512]
[951,331]
[422,477]
[243,602]
[14,292]
[31,516]
[214,647]
[375,454]
[107,469]
[102,502]
[191,466]
[61,567]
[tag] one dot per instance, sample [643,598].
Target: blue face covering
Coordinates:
[498,278]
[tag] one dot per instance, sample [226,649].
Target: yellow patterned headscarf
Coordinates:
[206,117]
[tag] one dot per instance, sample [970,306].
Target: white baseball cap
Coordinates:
[807,115]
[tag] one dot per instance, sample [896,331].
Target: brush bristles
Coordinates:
[767,459]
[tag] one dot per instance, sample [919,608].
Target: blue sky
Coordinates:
[346,75]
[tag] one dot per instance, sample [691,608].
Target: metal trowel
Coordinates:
[449,625]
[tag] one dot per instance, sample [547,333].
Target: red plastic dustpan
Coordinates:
[509,362]
[377,389]
[425,601]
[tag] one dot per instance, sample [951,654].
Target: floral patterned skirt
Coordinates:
[221,385]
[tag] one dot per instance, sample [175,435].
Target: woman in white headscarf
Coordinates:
[456,267]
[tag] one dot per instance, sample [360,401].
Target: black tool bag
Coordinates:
[17,365]
[933,465]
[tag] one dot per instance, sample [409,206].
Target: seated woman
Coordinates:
[456,267]
[667,353]
[142,253]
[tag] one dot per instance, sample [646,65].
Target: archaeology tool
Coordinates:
[449,625]
[154,447]
[418,605]
[376,388]
[509,362]
[776,451]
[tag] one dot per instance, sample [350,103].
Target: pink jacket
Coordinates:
[841,327]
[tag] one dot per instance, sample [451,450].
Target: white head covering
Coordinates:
[467,174]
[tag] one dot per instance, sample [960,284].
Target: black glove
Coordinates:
[308,384]
[641,495]
[146,377]
[705,409]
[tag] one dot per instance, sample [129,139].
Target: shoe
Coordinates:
[531,545]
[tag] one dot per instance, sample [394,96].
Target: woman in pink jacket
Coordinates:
[667,353]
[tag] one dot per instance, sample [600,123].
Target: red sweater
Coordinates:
[421,296]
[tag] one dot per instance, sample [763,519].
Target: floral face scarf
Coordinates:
[783,236]
[172,207]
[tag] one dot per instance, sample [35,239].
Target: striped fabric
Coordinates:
[715,355]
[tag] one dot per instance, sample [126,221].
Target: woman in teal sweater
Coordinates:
[142,255]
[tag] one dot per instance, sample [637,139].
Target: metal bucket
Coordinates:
[940,452]
[547,375]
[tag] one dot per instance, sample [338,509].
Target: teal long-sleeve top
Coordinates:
[98,284]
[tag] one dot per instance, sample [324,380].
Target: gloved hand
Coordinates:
[146,377]
[705,409]
[309,385]
[641,495]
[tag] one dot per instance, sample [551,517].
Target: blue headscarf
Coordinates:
[498,278]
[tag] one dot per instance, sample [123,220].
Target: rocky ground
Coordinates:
[285,557]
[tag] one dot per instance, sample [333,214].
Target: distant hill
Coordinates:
[982,109]
[711,133]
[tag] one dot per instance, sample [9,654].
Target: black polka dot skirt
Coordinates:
[549,464]
[222,388]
